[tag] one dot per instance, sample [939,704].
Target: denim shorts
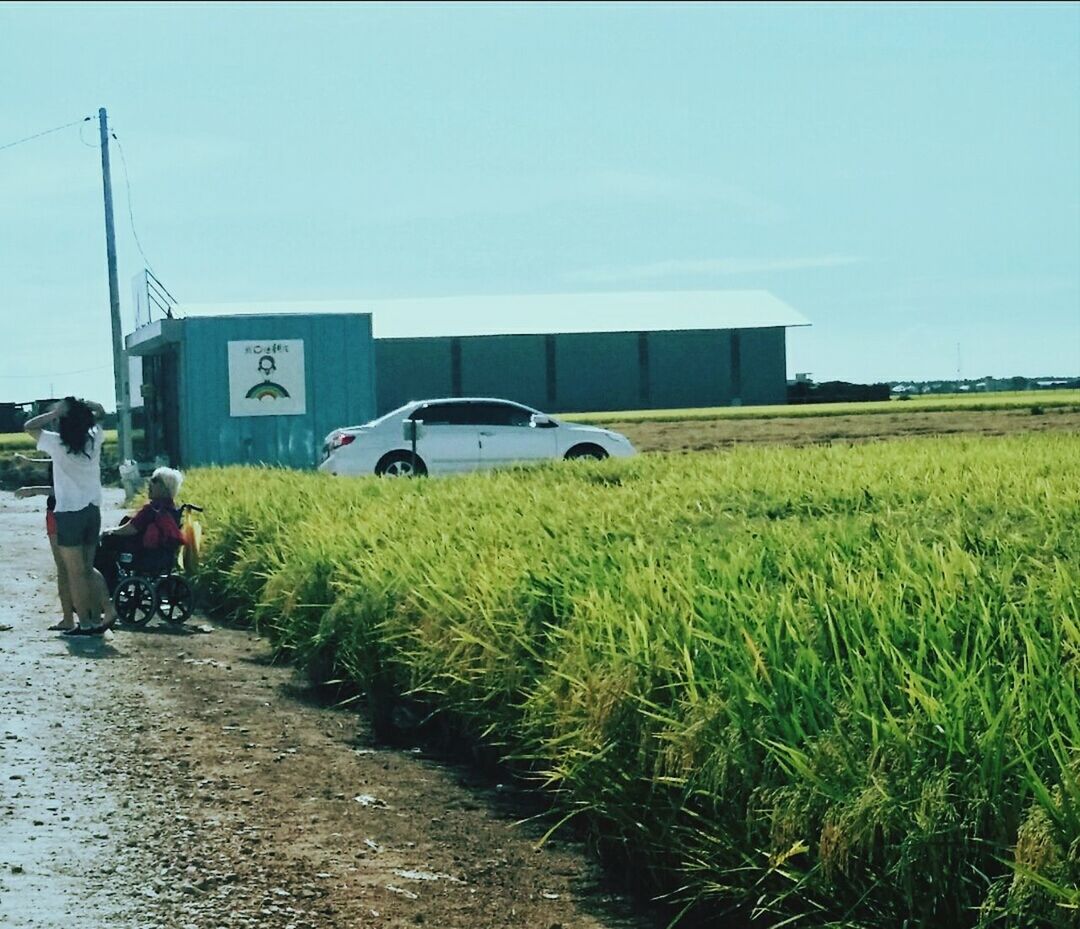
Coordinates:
[77,528]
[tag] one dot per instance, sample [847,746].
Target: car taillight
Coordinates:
[338,441]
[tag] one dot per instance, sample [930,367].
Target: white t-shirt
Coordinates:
[76,478]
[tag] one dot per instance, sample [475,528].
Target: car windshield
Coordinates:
[400,412]
[510,409]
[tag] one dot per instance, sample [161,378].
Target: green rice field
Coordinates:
[825,687]
[928,403]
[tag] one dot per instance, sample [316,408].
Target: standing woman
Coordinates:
[75,449]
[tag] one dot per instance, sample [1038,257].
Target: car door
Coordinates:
[507,435]
[449,439]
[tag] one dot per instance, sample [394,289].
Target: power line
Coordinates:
[82,138]
[123,161]
[53,373]
[38,135]
[131,215]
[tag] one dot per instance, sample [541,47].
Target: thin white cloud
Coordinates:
[708,266]
[395,197]
[647,189]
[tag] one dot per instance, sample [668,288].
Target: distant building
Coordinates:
[11,417]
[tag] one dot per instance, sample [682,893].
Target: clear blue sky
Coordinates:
[906,176]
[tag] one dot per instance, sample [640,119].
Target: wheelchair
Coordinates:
[150,582]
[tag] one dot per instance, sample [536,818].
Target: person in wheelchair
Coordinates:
[150,538]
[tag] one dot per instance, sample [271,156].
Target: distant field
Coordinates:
[803,424]
[905,420]
[20,441]
[938,403]
[1050,399]
[15,472]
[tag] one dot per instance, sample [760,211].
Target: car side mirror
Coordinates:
[541,420]
[412,429]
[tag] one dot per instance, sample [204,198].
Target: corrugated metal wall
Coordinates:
[597,371]
[691,369]
[764,366]
[415,369]
[592,371]
[339,386]
[487,360]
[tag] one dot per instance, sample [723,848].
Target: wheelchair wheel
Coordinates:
[135,601]
[175,599]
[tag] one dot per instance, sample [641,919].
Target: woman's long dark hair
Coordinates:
[75,426]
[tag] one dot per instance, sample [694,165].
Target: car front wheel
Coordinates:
[400,464]
[595,452]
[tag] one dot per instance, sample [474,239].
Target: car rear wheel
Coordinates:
[400,464]
[595,452]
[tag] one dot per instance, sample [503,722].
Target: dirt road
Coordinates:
[180,780]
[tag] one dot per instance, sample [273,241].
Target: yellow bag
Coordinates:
[191,530]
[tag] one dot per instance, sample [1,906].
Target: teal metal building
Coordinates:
[250,388]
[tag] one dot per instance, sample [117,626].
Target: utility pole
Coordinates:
[120,365]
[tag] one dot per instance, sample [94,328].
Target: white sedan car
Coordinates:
[462,434]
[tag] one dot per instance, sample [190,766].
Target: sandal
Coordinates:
[61,626]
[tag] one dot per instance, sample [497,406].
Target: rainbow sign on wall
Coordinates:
[267,390]
[266,378]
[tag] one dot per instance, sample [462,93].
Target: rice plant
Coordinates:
[837,686]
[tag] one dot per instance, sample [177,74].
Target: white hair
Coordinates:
[171,478]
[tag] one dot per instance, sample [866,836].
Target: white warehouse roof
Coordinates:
[540,314]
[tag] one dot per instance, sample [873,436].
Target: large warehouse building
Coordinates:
[556,352]
[585,352]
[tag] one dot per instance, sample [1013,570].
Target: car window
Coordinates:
[473,413]
[399,413]
[445,414]
[500,414]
